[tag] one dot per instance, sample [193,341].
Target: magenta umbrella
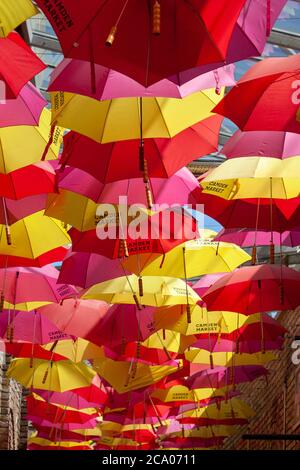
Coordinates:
[249,36]
[68,398]
[29,327]
[74,76]
[181,188]
[274,144]
[25,110]
[249,346]
[86,269]
[205,282]
[248,237]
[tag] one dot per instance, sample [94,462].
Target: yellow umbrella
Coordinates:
[152,290]
[169,341]
[112,442]
[24,145]
[233,408]
[13,13]
[33,236]
[254,177]
[57,376]
[120,119]
[190,259]
[75,351]
[113,428]
[204,432]
[183,393]
[126,376]
[228,359]
[58,444]
[87,411]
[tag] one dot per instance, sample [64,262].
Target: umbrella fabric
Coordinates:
[12,17]
[198,35]
[86,269]
[191,259]
[220,377]
[25,145]
[27,288]
[120,119]
[157,291]
[27,350]
[37,443]
[19,64]
[76,187]
[254,177]
[192,443]
[74,76]
[274,144]
[234,408]
[52,256]
[247,238]
[26,240]
[254,289]
[182,394]
[163,156]
[206,281]
[11,210]
[39,421]
[25,110]
[30,180]
[60,435]
[82,318]
[202,356]
[262,93]
[250,346]
[57,376]
[76,351]
[69,398]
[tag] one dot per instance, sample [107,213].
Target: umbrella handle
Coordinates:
[211,360]
[136,300]
[111,37]
[1,301]
[45,376]
[8,234]
[123,249]
[156,18]
[188,313]
[141,287]
[253,259]
[149,196]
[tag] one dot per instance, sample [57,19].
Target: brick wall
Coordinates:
[275,402]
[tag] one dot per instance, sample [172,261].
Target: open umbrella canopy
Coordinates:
[76,351]
[13,17]
[227,359]
[232,410]
[128,118]
[52,256]
[13,210]
[254,289]
[247,237]
[197,33]
[163,156]
[191,259]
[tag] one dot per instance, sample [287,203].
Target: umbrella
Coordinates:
[37,443]
[233,409]
[74,76]
[81,318]
[52,256]
[12,211]
[29,288]
[25,110]
[76,351]
[12,17]
[254,177]
[40,422]
[182,393]
[131,118]
[163,156]
[191,259]
[262,93]
[247,237]
[19,64]
[254,289]
[274,144]
[214,344]
[202,356]
[154,291]
[197,33]
[23,238]
[56,376]
[24,145]
[87,269]
[69,398]
[205,282]
[27,350]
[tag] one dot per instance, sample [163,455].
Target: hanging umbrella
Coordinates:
[77,317]
[183,394]
[52,256]
[197,33]
[69,398]
[13,16]
[205,282]
[262,93]
[274,144]
[233,409]
[76,351]
[26,350]
[247,237]
[19,64]
[60,435]
[25,110]
[131,118]
[254,289]
[163,156]
[154,291]
[56,376]
[24,145]
[29,288]
[74,76]
[55,428]
[37,443]
[11,211]
[202,356]
[214,344]
[191,259]
[254,177]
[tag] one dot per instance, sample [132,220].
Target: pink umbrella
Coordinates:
[248,238]
[86,269]
[181,188]
[21,285]
[68,398]
[74,76]
[38,421]
[205,282]
[29,326]
[274,144]
[25,110]
[215,344]
[13,210]
[220,377]
[249,36]
[81,318]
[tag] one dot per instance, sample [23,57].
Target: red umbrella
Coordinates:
[163,156]
[25,350]
[18,66]
[53,256]
[149,40]
[262,94]
[11,210]
[252,289]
